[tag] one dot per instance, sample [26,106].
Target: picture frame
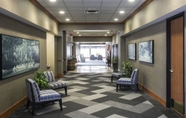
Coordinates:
[131,51]
[146,51]
[19,55]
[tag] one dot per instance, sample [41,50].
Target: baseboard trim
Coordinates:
[11,109]
[152,94]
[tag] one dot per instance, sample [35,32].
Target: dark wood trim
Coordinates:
[168,87]
[59,75]
[59,60]
[138,10]
[15,106]
[152,94]
[44,10]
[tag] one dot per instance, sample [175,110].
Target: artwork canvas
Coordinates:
[19,55]
[132,51]
[146,51]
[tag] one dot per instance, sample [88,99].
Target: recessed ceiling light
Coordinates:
[121,12]
[116,19]
[61,12]
[77,32]
[79,35]
[131,0]
[108,32]
[52,0]
[67,19]
[105,35]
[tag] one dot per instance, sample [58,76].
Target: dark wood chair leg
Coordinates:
[28,102]
[116,87]
[111,78]
[66,90]
[60,104]
[33,108]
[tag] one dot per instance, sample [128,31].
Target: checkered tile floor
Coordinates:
[92,95]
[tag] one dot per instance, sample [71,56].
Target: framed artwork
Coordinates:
[146,51]
[19,55]
[132,51]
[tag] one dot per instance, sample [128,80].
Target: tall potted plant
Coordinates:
[126,68]
[39,77]
[115,63]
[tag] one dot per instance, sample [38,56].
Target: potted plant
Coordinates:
[115,63]
[39,77]
[126,68]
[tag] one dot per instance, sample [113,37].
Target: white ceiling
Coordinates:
[74,10]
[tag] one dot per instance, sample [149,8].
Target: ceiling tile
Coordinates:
[107,11]
[108,8]
[92,4]
[113,4]
[76,11]
[105,15]
[73,0]
[77,14]
[55,4]
[127,4]
[131,2]
[111,0]
[77,4]
[92,0]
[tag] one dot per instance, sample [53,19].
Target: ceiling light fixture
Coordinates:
[91,30]
[121,12]
[67,19]
[77,32]
[116,19]
[79,35]
[131,0]
[52,0]
[105,35]
[108,32]
[61,12]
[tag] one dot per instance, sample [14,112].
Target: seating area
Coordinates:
[55,84]
[129,82]
[35,96]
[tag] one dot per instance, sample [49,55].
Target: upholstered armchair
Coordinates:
[100,57]
[37,96]
[55,84]
[92,57]
[132,81]
[115,75]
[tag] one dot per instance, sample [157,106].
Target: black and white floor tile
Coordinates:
[92,95]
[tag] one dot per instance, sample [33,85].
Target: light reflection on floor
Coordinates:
[95,69]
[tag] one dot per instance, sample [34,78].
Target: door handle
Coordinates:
[171,70]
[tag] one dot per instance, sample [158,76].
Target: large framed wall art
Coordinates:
[19,55]
[146,51]
[132,51]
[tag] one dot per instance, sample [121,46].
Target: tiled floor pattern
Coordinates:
[92,95]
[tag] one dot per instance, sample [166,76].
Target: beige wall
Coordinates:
[26,11]
[13,89]
[152,76]
[156,10]
[51,58]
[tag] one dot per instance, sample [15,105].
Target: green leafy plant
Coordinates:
[126,68]
[39,77]
[115,59]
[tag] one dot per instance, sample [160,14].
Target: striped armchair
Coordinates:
[132,81]
[37,96]
[55,84]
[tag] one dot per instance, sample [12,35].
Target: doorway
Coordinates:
[175,63]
